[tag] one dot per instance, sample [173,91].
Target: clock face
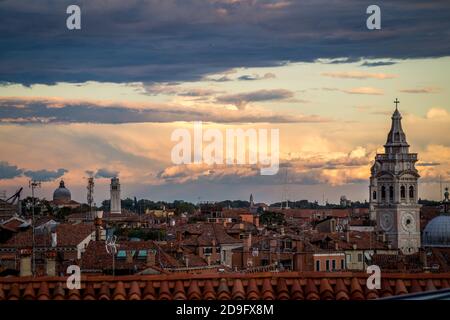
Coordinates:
[386,221]
[408,222]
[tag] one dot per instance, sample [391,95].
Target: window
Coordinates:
[342,264]
[374,196]
[402,192]
[383,192]
[217,249]
[207,250]
[317,265]
[142,254]
[359,257]
[122,254]
[411,192]
[391,193]
[333,264]
[327,265]
[349,258]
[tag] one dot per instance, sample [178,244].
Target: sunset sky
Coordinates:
[105,99]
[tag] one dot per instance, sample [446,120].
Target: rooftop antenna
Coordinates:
[90,196]
[33,184]
[111,248]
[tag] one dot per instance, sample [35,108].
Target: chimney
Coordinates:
[248,242]
[347,236]
[51,263]
[186,260]
[300,246]
[54,239]
[25,263]
[282,231]
[336,246]
[151,258]
[98,225]
[179,235]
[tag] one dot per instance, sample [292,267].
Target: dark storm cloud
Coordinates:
[179,40]
[37,110]
[105,173]
[241,99]
[9,171]
[377,63]
[45,175]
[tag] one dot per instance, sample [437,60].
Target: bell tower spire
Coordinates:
[396,139]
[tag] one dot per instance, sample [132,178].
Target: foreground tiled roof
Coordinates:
[267,286]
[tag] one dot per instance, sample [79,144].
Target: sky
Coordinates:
[105,100]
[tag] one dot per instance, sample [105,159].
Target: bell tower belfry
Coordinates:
[393,190]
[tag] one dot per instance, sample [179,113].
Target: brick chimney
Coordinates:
[50,265]
[179,235]
[25,262]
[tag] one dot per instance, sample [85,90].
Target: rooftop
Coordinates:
[256,286]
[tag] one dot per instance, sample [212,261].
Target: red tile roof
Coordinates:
[288,285]
[68,235]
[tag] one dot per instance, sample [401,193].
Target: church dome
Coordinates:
[62,193]
[437,232]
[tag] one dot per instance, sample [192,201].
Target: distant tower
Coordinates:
[252,204]
[115,196]
[90,196]
[393,190]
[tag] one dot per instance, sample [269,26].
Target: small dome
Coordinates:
[62,193]
[437,232]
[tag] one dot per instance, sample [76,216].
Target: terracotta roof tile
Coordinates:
[43,293]
[311,290]
[29,294]
[104,292]
[326,292]
[178,292]
[415,286]
[149,291]
[238,292]
[164,291]
[371,293]
[267,290]
[355,289]
[14,292]
[194,292]
[400,287]
[208,291]
[74,294]
[282,289]
[386,290]
[266,285]
[58,292]
[296,290]
[119,291]
[89,292]
[223,292]
[430,285]
[252,290]
[340,290]
[135,292]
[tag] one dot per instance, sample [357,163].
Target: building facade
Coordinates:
[393,191]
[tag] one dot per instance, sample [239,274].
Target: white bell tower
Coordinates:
[393,190]
[115,196]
